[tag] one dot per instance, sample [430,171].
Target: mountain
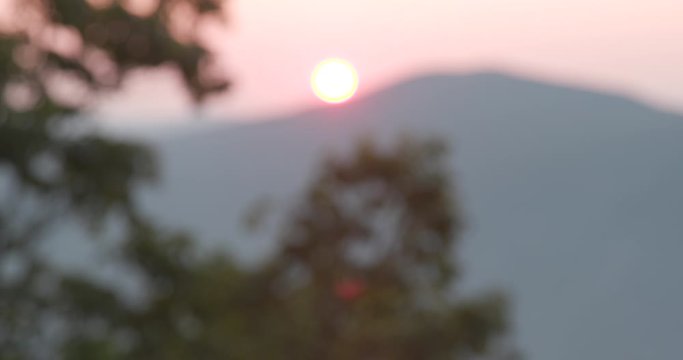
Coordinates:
[573,199]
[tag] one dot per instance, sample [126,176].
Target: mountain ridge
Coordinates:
[572,198]
[415,84]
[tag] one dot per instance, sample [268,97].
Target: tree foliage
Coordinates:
[55,56]
[366,266]
[365,270]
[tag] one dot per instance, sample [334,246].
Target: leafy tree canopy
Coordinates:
[365,269]
[56,55]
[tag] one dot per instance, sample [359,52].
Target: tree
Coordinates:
[365,270]
[366,265]
[193,306]
[54,55]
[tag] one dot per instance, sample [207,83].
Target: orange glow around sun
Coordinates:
[334,80]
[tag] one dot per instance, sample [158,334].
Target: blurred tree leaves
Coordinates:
[92,44]
[55,55]
[368,263]
[365,269]
[98,44]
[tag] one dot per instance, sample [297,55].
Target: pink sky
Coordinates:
[631,46]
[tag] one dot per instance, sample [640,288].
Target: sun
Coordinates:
[334,80]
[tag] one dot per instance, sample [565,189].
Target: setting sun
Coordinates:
[334,80]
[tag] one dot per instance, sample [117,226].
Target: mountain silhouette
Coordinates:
[573,199]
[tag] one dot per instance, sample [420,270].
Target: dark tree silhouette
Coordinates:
[365,270]
[366,266]
[54,55]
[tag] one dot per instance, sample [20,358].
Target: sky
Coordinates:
[270,48]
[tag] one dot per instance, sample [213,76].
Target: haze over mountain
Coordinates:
[573,199]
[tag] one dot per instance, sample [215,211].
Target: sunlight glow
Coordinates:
[334,80]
